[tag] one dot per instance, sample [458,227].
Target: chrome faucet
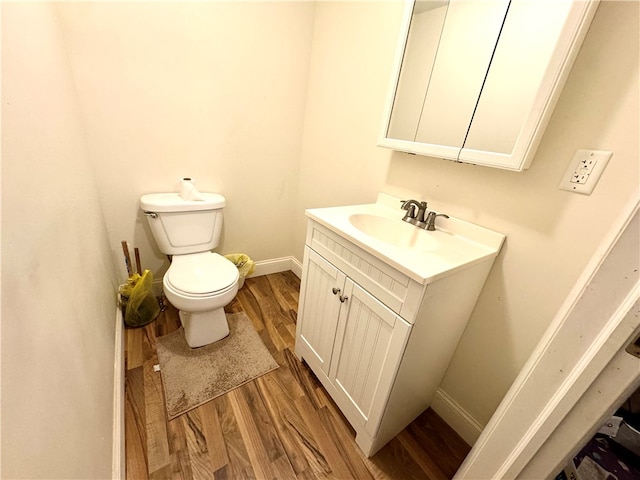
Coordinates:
[413,217]
[430,223]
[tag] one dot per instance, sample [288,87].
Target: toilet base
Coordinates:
[204,328]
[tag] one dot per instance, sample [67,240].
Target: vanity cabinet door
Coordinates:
[368,349]
[318,316]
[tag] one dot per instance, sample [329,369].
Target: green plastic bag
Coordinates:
[245,265]
[141,306]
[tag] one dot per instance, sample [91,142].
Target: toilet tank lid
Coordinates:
[173,202]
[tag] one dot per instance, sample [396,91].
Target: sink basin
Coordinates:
[394,232]
[422,255]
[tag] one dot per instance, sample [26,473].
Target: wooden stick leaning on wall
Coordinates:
[138,264]
[127,257]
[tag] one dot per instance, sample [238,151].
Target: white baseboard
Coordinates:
[296,267]
[276,265]
[118,454]
[456,417]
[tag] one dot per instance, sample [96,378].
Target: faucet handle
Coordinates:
[421,216]
[411,213]
[431,220]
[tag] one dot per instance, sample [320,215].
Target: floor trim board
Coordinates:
[457,417]
[276,265]
[118,452]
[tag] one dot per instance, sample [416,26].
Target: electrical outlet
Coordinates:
[585,170]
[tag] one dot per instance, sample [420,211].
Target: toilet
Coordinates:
[199,282]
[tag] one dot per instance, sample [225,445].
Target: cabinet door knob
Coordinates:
[335,290]
[343,298]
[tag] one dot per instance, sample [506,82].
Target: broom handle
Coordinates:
[138,265]
[127,257]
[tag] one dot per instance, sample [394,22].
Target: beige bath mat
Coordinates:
[192,377]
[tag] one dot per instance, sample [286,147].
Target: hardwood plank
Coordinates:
[249,304]
[134,349]
[239,462]
[303,375]
[270,322]
[179,452]
[439,441]
[345,443]
[426,463]
[168,321]
[288,337]
[282,468]
[224,473]
[277,284]
[396,462]
[214,436]
[260,459]
[287,382]
[162,473]
[135,429]
[197,446]
[291,282]
[346,431]
[292,300]
[292,331]
[326,445]
[294,424]
[282,411]
[260,287]
[269,310]
[306,475]
[149,340]
[264,444]
[155,418]
[326,401]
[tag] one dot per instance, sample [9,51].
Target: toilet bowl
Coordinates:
[199,282]
[199,285]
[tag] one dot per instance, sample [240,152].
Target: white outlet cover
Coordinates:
[584,171]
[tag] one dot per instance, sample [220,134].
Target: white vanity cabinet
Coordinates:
[378,340]
[352,338]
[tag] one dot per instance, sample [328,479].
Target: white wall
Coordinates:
[58,278]
[353,49]
[211,90]
[551,234]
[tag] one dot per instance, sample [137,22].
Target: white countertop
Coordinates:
[422,255]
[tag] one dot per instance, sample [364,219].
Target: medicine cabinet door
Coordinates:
[537,46]
[464,54]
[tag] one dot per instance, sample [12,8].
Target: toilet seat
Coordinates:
[199,275]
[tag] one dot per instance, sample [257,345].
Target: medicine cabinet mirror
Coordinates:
[476,81]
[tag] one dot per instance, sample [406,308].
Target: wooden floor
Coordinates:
[282,425]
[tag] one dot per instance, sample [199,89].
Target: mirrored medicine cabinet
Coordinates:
[476,81]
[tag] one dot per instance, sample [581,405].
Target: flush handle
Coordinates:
[151,214]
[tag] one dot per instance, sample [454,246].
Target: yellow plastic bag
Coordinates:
[245,265]
[141,306]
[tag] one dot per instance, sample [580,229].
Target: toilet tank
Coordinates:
[184,226]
